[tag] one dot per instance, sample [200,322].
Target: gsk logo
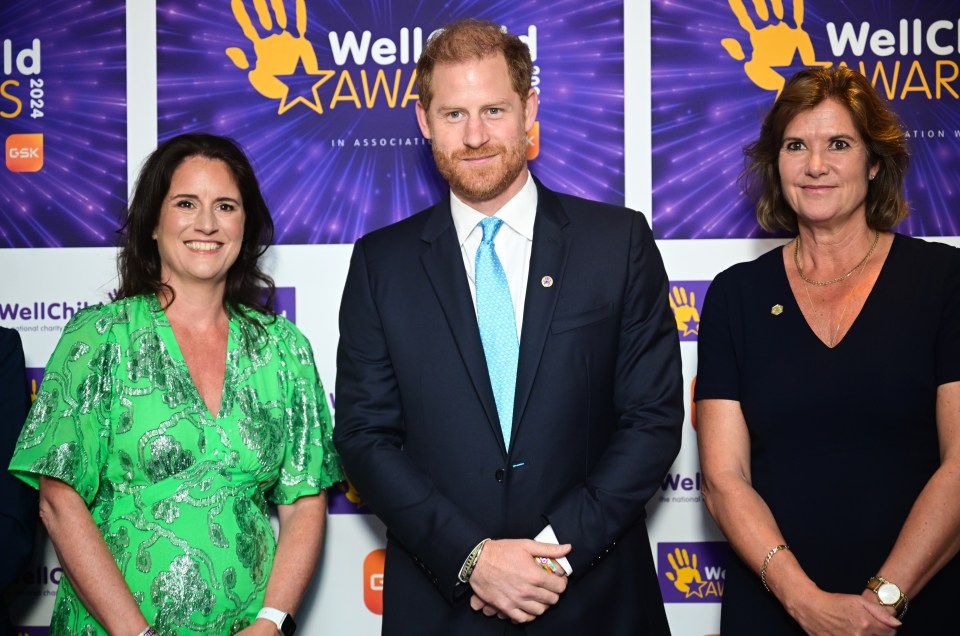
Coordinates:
[684,298]
[373,581]
[692,572]
[533,142]
[24,152]
[774,40]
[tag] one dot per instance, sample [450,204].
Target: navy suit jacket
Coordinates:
[597,415]
[18,502]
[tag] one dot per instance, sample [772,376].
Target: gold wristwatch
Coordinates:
[889,594]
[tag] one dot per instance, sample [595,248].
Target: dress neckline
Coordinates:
[881,276]
[165,331]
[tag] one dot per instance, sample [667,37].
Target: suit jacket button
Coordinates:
[499,475]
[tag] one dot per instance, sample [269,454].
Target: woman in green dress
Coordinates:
[168,419]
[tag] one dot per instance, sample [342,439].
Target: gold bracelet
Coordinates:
[766,562]
[471,562]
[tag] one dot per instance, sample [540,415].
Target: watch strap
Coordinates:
[284,622]
[899,606]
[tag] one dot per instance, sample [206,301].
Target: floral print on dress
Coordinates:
[180,495]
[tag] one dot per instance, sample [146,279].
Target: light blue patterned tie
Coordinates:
[498,326]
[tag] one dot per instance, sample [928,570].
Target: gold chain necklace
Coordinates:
[824,283]
[862,265]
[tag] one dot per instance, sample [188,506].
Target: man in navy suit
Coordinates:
[520,500]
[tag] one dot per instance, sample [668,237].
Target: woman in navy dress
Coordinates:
[828,389]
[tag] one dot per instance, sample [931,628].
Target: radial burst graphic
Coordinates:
[324,101]
[63,107]
[715,75]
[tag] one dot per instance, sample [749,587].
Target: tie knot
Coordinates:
[490,226]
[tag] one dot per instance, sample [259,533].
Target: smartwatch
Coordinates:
[284,622]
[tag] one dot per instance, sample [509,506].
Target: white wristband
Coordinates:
[273,615]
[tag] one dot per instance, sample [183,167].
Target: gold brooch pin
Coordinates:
[547,281]
[776,310]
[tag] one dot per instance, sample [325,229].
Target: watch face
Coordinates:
[888,593]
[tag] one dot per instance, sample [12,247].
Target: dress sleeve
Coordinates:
[718,365]
[310,461]
[67,432]
[948,338]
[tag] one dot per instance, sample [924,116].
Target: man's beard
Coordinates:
[482,184]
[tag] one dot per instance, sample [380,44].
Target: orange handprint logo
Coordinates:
[685,575]
[773,45]
[685,312]
[350,492]
[279,56]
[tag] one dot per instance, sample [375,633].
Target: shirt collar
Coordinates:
[519,212]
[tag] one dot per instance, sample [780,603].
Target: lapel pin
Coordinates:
[777,309]
[547,281]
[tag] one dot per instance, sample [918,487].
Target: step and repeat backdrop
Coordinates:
[646,104]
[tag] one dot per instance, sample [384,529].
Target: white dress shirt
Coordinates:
[513,245]
[513,242]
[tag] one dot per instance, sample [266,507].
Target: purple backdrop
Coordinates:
[333,171]
[706,108]
[74,95]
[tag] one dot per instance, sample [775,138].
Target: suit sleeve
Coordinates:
[18,502]
[369,435]
[648,405]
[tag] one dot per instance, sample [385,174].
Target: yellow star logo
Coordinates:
[312,99]
[698,591]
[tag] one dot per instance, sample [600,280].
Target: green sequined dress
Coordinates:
[180,497]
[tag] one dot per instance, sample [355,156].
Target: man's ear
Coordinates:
[422,117]
[530,109]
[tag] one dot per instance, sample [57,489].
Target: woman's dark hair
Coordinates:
[878,127]
[138,262]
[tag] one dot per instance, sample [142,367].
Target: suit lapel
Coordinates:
[548,257]
[443,263]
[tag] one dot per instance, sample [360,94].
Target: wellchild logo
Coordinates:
[34,379]
[343,499]
[774,41]
[41,311]
[40,576]
[900,56]
[284,62]
[22,92]
[680,488]
[686,299]
[911,56]
[692,572]
[285,66]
